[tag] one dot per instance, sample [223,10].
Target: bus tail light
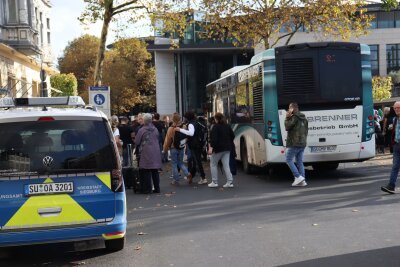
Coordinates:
[369,128]
[272,132]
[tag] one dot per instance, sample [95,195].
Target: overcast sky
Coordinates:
[65,26]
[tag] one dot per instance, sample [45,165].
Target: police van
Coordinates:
[60,174]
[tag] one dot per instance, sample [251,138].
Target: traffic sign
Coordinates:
[99,99]
[99,96]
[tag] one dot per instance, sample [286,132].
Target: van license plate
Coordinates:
[50,188]
[319,149]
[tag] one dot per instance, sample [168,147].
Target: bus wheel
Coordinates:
[243,156]
[327,166]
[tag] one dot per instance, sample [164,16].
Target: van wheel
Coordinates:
[245,160]
[115,244]
[327,166]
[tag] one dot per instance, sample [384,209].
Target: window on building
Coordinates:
[48,23]
[392,57]
[12,86]
[48,38]
[374,21]
[36,18]
[41,27]
[12,11]
[374,60]
[24,88]
[35,89]
[397,19]
[385,20]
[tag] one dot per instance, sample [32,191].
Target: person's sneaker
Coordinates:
[228,185]
[189,178]
[172,176]
[203,181]
[304,183]
[212,184]
[175,183]
[388,189]
[298,180]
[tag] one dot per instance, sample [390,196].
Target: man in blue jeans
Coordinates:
[296,125]
[391,187]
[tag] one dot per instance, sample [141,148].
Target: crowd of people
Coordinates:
[384,119]
[156,141]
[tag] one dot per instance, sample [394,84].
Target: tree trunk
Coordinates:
[98,71]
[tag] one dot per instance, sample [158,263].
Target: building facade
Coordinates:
[25,47]
[383,39]
[182,73]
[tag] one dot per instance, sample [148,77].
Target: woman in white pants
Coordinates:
[220,145]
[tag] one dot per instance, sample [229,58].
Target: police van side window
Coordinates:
[71,145]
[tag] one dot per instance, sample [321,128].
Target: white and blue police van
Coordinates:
[60,174]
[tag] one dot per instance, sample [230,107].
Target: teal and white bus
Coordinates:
[331,82]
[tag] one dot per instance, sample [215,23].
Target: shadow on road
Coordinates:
[387,257]
[63,254]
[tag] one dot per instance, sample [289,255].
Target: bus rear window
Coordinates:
[50,147]
[331,77]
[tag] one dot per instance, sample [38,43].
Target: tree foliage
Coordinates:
[129,73]
[242,21]
[389,4]
[107,11]
[248,23]
[129,11]
[130,62]
[66,83]
[381,88]
[79,56]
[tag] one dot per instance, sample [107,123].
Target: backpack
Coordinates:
[179,140]
[198,140]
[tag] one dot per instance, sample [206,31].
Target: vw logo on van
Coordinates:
[47,161]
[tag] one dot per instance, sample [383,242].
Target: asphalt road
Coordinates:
[340,219]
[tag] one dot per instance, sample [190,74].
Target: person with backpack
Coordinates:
[196,140]
[175,141]
[296,125]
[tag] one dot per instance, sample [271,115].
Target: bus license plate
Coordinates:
[318,149]
[50,188]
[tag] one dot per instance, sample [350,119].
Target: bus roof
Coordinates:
[233,70]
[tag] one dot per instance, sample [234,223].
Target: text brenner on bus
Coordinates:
[330,81]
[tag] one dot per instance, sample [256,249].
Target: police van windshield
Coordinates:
[50,147]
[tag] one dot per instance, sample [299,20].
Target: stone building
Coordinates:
[25,47]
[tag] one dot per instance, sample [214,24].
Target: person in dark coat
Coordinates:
[221,144]
[125,131]
[147,141]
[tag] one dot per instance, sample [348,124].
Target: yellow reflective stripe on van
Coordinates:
[48,181]
[70,212]
[105,177]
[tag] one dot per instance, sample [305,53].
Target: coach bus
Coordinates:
[331,82]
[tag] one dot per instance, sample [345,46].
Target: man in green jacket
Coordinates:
[296,125]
